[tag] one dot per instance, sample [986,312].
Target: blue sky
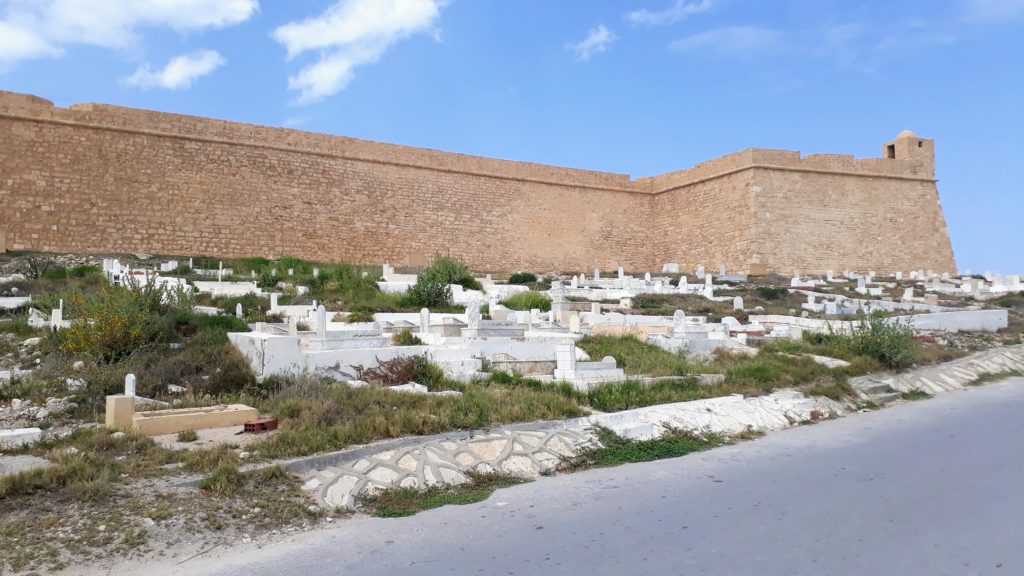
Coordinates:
[633,86]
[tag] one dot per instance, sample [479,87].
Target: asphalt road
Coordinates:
[932,487]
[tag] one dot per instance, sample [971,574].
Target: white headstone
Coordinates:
[597,274]
[273,301]
[595,308]
[830,275]
[575,324]
[700,272]
[316,272]
[647,276]
[678,320]
[707,280]
[238,310]
[899,275]
[293,325]
[737,303]
[424,320]
[565,357]
[721,269]
[622,273]
[291,271]
[574,283]
[129,385]
[908,293]
[473,313]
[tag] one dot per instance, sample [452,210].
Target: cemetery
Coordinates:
[329,383]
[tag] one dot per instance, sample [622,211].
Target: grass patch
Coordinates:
[634,356]
[616,450]
[524,301]
[319,415]
[399,502]
[915,395]
[188,436]
[838,390]
[990,377]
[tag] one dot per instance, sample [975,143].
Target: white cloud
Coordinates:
[597,41]
[993,9]
[179,73]
[681,10]
[349,34]
[41,28]
[737,41]
[21,44]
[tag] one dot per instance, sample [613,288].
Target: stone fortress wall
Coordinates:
[99,178]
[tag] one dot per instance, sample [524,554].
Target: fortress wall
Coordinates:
[115,191]
[98,178]
[708,223]
[811,222]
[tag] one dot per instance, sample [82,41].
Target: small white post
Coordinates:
[321,322]
[129,385]
[238,310]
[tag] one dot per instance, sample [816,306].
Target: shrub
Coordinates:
[405,338]
[889,342]
[55,273]
[401,370]
[188,436]
[769,293]
[84,270]
[432,285]
[522,278]
[111,327]
[266,280]
[527,301]
[429,294]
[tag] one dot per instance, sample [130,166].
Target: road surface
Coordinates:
[931,487]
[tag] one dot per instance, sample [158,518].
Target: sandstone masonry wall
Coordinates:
[98,178]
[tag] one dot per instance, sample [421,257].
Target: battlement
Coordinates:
[105,116]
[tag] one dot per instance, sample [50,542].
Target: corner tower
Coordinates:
[909,147]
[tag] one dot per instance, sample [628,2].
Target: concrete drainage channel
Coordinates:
[530,450]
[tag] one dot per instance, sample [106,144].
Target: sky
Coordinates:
[639,87]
